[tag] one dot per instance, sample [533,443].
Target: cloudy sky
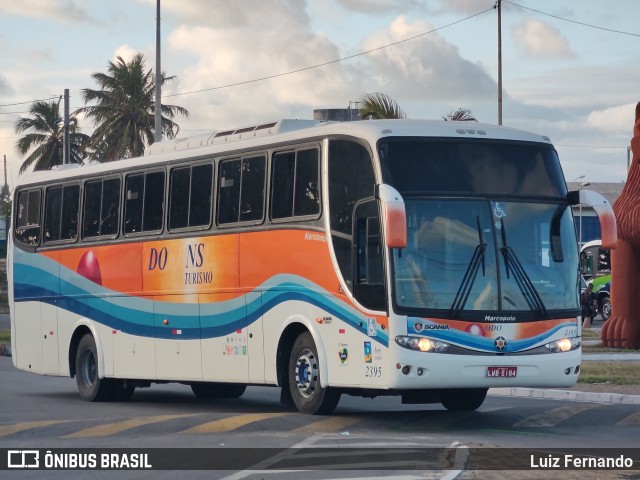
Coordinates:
[570,67]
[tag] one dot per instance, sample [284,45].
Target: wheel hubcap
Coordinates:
[306,373]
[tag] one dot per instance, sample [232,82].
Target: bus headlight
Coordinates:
[564,344]
[422,344]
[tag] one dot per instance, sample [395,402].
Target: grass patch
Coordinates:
[612,373]
[590,334]
[5,336]
[600,349]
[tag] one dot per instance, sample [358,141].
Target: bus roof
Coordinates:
[284,131]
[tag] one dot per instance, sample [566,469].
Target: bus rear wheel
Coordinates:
[92,388]
[463,399]
[217,390]
[304,379]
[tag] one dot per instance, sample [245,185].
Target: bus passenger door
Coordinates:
[255,347]
[177,327]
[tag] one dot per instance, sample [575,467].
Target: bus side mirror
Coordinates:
[603,209]
[393,215]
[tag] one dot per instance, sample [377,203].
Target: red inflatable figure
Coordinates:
[622,330]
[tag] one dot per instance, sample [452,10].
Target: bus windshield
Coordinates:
[489,246]
[482,255]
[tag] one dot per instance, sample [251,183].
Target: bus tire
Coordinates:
[209,390]
[304,379]
[234,390]
[463,399]
[92,388]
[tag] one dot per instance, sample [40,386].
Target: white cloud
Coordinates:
[614,119]
[536,39]
[256,43]
[379,6]
[425,68]
[127,53]
[66,11]
[465,6]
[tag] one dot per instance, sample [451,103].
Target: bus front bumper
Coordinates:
[418,370]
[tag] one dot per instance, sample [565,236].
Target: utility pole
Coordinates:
[498,5]
[158,127]
[66,147]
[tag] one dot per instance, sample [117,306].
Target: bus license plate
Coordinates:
[502,371]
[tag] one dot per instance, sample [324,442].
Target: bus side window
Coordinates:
[241,190]
[61,213]
[101,208]
[27,223]
[144,203]
[294,184]
[252,191]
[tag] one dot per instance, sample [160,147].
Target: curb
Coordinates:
[576,396]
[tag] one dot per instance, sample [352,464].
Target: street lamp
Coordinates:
[583,184]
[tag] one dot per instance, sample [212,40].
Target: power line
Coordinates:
[31,101]
[337,60]
[573,21]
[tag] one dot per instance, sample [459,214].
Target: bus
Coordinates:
[595,265]
[424,259]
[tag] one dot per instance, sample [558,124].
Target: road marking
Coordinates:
[232,423]
[551,418]
[328,425]
[633,419]
[19,427]
[117,427]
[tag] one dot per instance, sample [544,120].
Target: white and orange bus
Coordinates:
[427,259]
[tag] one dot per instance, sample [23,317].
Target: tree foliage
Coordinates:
[376,106]
[460,115]
[124,110]
[43,136]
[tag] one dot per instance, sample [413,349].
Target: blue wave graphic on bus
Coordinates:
[36,279]
[484,344]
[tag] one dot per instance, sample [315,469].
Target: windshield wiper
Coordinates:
[526,286]
[469,278]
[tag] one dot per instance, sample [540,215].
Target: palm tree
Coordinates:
[124,110]
[44,130]
[375,106]
[461,115]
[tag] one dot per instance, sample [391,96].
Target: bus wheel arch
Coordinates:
[80,332]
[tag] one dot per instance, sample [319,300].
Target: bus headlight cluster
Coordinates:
[564,344]
[422,344]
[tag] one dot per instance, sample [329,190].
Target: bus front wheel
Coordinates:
[463,399]
[92,388]
[304,379]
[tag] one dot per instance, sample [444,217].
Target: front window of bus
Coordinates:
[483,235]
